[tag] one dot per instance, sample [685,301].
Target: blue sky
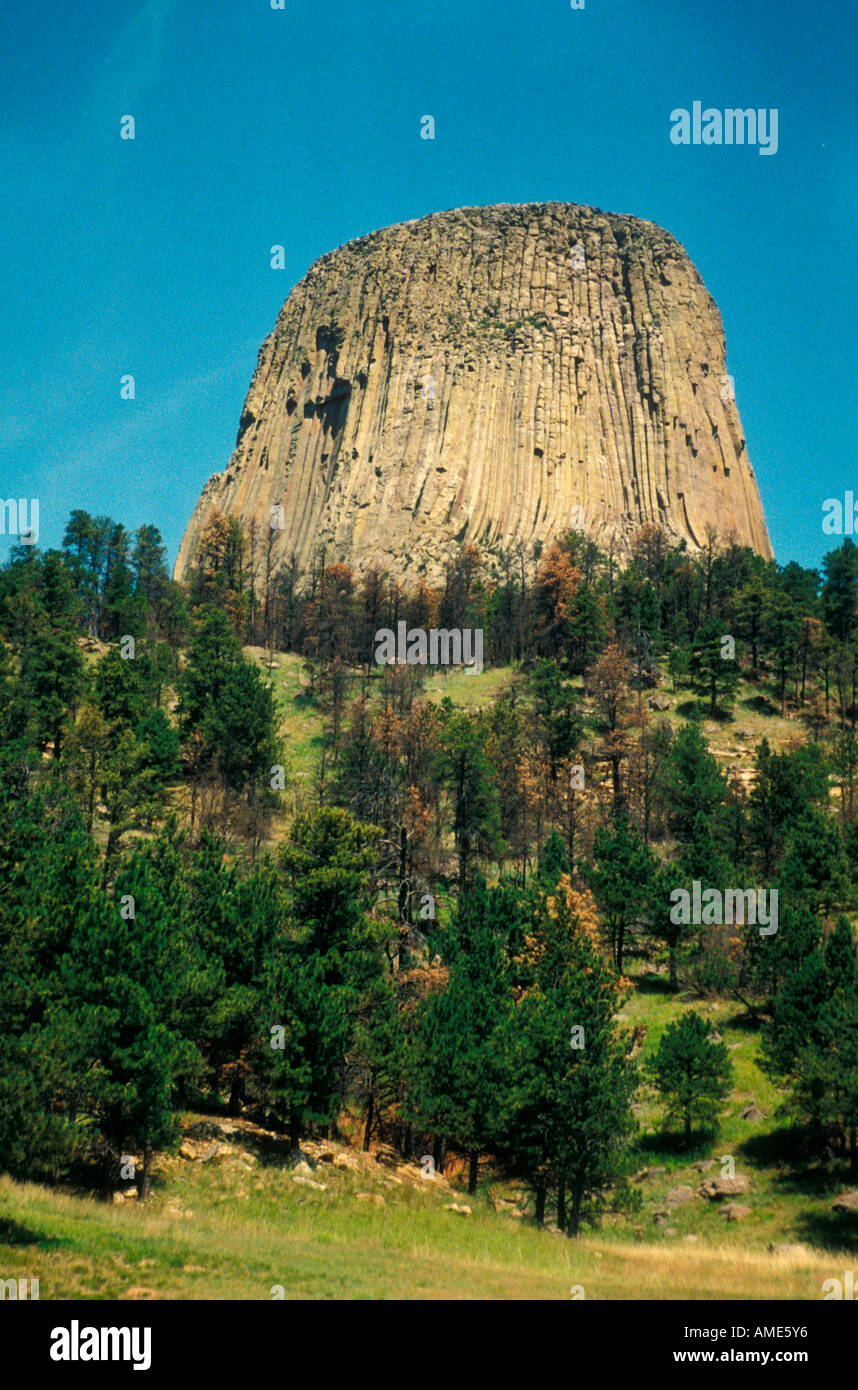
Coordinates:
[301,126]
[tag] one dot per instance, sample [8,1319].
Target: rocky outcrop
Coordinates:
[717,1188]
[494,374]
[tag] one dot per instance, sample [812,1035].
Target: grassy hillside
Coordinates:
[233,1219]
[239,1223]
[732,741]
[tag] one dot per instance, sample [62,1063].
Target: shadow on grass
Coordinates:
[833,1230]
[700,710]
[760,704]
[743,1022]
[691,709]
[671,1144]
[783,1146]
[12,1233]
[655,984]
[805,1174]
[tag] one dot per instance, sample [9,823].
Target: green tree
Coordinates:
[459,1071]
[467,771]
[840,590]
[812,1041]
[716,675]
[621,880]
[48,871]
[300,1067]
[50,677]
[567,1113]
[692,1073]
[786,787]
[668,877]
[161,741]
[124,982]
[120,688]
[558,721]
[679,663]
[782,630]
[329,859]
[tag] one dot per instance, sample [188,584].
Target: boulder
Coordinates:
[736,1211]
[345,1159]
[717,1188]
[199,1151]
[678,1196]
[846,1202]
[374,1197]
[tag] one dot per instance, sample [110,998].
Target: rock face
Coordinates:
[496,375]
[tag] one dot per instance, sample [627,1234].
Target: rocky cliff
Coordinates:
[493,374]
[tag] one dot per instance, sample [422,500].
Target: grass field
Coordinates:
[241,1222]
[732,740]
[233,1229]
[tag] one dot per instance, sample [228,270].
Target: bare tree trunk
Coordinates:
[146,1175]
[541,1195]
[473,1170]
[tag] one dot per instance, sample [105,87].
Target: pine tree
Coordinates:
[467,771]
[692,1073]
[621,880]
[303,1032]
[715,675]
[567,1111]
[120,1017]
[459,1073]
